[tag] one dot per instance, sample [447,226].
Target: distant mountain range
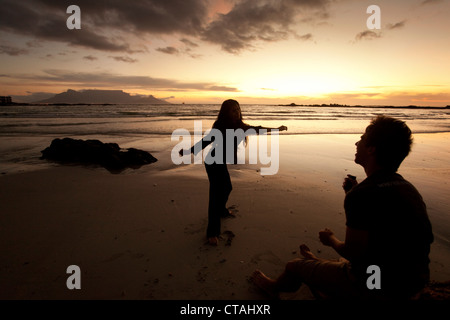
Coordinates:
[101,97]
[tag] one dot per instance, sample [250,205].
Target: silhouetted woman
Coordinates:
[230,117]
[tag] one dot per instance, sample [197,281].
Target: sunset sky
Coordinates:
[203,51]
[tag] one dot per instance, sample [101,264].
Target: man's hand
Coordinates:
[327,237]
[349,183]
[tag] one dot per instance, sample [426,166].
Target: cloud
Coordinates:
[394,97]
[251,21]
[305,37]
[168,50]
[187,50]
[124,59]
[367,35]
[90,57]
[40,20]
[189,43]
[167,98]
[12,51]
[107,79]
[220,88]
[113,25]
[420,98]
[397,25]
[431,2]
[371,35]
[32,97]
[103,23]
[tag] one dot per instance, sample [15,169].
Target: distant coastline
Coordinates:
[119,97]
[88,97]
[361,106]
[73,104]
[281,105]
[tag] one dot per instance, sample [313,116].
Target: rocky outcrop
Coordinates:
[94,152]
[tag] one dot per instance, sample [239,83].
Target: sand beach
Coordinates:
[140,234]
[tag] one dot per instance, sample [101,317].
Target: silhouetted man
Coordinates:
[387,227]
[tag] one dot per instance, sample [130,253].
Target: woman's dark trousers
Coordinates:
[219,190]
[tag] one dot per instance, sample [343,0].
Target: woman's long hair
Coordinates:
[230,117]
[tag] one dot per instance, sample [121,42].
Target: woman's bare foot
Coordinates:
[306,252]
[214,241]
[230,212]
[265,283]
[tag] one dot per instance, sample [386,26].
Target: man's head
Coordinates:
[386,142]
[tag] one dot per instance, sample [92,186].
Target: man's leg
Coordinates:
[288,281]
[330,278]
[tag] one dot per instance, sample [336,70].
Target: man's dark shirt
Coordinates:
[395,216]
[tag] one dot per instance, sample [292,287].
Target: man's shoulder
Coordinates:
[377,182]
[396,181]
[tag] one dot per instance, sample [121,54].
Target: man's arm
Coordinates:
[355,244]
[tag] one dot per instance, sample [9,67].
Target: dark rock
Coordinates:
[95,152]
[436,291]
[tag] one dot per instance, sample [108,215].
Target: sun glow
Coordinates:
[300,85]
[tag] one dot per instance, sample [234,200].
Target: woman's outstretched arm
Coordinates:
[259,128]
[200,145]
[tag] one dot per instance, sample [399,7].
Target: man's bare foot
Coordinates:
[265,283]
[214,241]
[306,252]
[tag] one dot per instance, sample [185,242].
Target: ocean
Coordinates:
[148,120]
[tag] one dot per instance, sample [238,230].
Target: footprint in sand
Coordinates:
[266,256]
[194,229]
[229,236]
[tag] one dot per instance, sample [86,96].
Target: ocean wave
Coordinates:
[163,119]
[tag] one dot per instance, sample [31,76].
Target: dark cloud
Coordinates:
[106,79]
[371,35]
[167,98]
[111,25]
[148,16]
[250,21]
[431,2]
[305,37]
[90,57]
[124,59]
[32,97]
[179,51]
[168,50]
[189,43]
[397,25]
[36,19]
[12,51]
[367,35]
[102,22]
